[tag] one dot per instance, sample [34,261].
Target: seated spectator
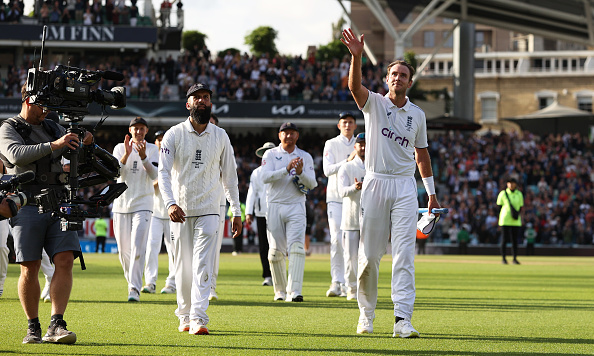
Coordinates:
[44,13]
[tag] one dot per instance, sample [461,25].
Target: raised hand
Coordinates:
[128,145]
[354,45]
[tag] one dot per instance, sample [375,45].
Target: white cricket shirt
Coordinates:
[138,176]
[351,197]
[336,152]
[281,188]
[391,135]
[255,203]
[192,166]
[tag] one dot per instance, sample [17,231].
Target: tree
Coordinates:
[233,51]
[261,40]
[337,28]
[193,41]
[334,49]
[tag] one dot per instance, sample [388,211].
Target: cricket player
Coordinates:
[133,209]
[223,205]
[350,182]
[195,156]
[289,171]
[257,206]
[159,231]
[396,130]
[337,152]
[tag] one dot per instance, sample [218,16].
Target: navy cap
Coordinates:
[288,126]
[196,87]
[360,137]
[138,120]
[159,133]
[344,114]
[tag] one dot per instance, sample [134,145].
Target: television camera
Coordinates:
[68,91]
[9,189]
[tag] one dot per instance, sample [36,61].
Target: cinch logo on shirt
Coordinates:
[402,141]
[165,150]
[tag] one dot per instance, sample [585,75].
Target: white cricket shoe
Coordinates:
[267,281]
[352,295]
[404,328]
[364,326]
[334,290]
[45,293]
[197,327]
[213,295]
[184,324]
[168,290]
[133,295]
[280,296]
[149,288]
[343,290]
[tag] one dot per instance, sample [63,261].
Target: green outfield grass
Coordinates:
[466,305]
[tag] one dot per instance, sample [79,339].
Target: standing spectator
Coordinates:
[79,10]
[197,154]
[389,193]
[511,201]
[133,209]
[100,234]
[290,172]
[463,239]
[337,152]
[14,13]
[350,182]
[88,17]
[257,206]
[165,13]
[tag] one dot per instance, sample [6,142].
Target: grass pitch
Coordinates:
[466,305]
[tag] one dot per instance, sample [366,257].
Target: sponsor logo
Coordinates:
[402,141]
[165,150]
[288,110]
[135,167]
[278,158]
[81,33]
[224,109]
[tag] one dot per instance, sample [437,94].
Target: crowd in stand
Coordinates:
[236,77]
[555,174]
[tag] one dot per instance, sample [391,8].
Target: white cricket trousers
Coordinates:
[3,252]
[159,231]
[131,234]
[194,244]
[337,271]
[351,257]
[217,257]
[285,225]
[388,206]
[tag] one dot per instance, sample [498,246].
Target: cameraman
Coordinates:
[27,142]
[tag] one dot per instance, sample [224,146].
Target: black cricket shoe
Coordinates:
[58,334]
[298,298]
[33,334]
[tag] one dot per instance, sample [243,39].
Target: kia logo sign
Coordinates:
[288,110]
[224,109]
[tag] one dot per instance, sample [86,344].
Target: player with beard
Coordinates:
[132,211]
[396,131]
[196,156]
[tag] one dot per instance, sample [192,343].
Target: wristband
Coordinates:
[429,185]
